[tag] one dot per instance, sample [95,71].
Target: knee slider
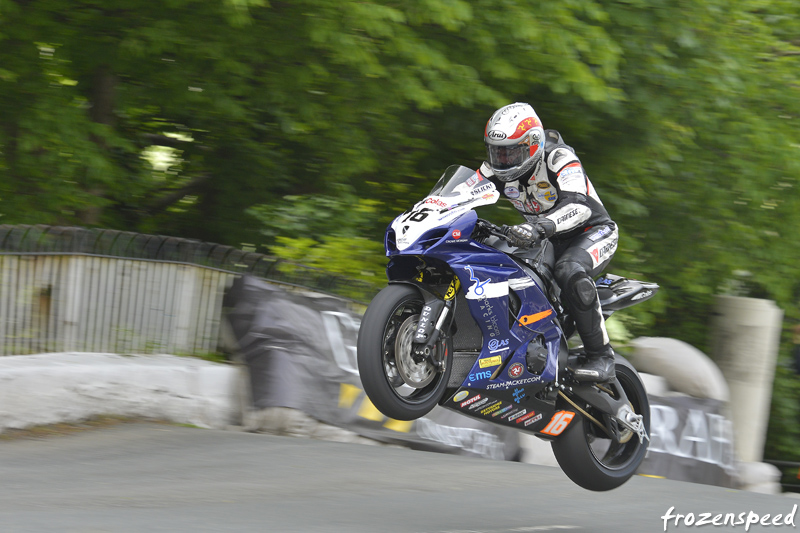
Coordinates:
[585,292]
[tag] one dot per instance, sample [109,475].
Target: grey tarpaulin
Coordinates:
[300,349]
[690,440]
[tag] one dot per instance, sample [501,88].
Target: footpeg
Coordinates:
[632,421]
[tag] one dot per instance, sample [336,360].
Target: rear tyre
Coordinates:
[398,385]
[588,456]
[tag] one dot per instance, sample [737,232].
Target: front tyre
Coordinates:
[588,456]
[398,385]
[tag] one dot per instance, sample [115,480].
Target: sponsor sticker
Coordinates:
[489,187]
[515,370]
[519,395]
[478,404]
[643,294]
[460,396]
[452,289]
[436,202]
[456,234]
[496,345]
[574,168]
[505,409]
[533,206]
[496,135]
[533,420]
[491,409]
[477,376]
[489,361]
[511,192]
[572,183]
[526,417]
[517,415]
[568,215]
[515,383]
[601,253]
[599,234]
[471,400]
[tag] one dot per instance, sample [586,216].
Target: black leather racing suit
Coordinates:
[585,238]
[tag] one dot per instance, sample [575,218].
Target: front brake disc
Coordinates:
[416,375]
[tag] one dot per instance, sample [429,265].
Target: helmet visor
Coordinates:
[505,157]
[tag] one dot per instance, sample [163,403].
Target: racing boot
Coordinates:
[584,305]
[598,367]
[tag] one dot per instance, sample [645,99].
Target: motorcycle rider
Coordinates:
[543,178]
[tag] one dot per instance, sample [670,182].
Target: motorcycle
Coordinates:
[466,324]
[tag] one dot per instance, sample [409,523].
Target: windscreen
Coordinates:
[456,177]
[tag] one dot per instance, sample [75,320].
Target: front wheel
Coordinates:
[400,386]
[589,457]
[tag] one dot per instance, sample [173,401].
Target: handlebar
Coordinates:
[492,229]
[502,231]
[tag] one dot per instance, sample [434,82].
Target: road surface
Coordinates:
[146,477]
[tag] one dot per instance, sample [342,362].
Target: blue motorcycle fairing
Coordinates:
[486,276]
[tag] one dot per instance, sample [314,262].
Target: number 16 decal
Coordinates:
[558,423]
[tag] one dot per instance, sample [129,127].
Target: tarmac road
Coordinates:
[145,477]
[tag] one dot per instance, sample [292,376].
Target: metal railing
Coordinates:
[79,289]
[790,470]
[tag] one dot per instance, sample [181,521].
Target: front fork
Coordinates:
[431,322]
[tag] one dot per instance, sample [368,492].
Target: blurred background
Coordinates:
[301,129]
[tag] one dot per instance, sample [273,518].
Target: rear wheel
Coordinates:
[589,456]
[398,384]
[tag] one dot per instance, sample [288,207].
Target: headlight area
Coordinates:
[428,239]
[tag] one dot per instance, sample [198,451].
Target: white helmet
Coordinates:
[514,140]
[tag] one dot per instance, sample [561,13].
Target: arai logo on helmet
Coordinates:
[496,135]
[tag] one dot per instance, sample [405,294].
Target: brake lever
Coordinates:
[492,229]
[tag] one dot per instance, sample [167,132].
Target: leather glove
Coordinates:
[527,234]
[523,235]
